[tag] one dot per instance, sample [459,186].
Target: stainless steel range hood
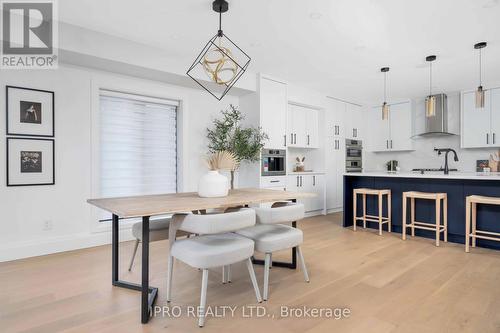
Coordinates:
[437,125]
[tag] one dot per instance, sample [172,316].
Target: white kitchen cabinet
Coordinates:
[312,129]
[334,118]
[379,131]
[495,117]
[392,134]
[312,184]
[475,122]
[302,126]
[400,116]
[480,127]
[315,184]
[352,122]
[273,111]
[335,167]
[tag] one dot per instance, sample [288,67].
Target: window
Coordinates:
[138,145]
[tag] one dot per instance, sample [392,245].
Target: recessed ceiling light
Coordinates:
[315,16]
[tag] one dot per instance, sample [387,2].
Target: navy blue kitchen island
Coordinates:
[456,185]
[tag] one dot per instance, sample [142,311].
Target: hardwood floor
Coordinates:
[388,285]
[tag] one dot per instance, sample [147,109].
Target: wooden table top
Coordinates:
[150,205]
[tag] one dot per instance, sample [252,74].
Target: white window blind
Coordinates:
[138,145]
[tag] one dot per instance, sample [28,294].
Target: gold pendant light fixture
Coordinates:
[480,91]
[221,60]
[385,106]
[430,101]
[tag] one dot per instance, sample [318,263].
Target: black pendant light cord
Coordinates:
[430,79]
[385,87]
[480,69]
[220,33]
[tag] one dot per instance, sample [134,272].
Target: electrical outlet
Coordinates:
[47,225]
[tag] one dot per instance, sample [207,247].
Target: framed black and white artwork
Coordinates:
[30,162]
[30,112]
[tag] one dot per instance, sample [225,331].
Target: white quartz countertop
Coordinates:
[433,174]
[306,173]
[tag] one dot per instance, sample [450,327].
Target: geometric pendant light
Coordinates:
[221,60]
[480,91]
[430,101]
[385,106]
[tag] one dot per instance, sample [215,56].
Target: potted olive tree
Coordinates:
[227,134]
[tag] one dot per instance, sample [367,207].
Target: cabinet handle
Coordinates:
[291,138]
[494,138]
[284,140]
[391,144]
[308,140]
[274,181]
[387,144]
[353,133]
[314,180]
[297,181]
[300,181]
[295,138]
[487,138]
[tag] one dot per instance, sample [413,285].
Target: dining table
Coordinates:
[147,206]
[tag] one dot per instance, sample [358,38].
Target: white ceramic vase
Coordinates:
[213,184]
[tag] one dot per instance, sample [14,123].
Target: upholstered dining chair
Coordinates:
[158,230]
[271,235]
[216,246]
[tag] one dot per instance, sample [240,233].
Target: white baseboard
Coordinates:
[34,248]
[334,210]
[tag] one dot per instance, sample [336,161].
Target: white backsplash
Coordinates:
[424,156]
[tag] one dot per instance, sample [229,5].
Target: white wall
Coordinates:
[24,209]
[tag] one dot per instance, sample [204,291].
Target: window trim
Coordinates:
[129,87]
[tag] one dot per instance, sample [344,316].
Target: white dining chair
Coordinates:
[216,246]
[270,235]
[158,230]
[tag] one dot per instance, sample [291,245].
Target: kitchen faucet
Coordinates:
[446,151]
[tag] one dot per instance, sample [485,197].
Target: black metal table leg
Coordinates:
[148,294]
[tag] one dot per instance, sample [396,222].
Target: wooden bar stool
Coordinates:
[471,205]
[438,227]
[372,218]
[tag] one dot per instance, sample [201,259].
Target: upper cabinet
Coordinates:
[334,118]
[352,121]
[303,127]
[273,111]
[480,127]
[393,134]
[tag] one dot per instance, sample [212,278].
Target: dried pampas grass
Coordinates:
[222,160]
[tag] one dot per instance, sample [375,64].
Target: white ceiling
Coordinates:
[339,53]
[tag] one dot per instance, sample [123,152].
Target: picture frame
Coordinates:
[29,112]
[30,161]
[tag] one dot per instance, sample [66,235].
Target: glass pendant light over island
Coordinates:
[430,101]
[221,60]
[385,106]
[480,91]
